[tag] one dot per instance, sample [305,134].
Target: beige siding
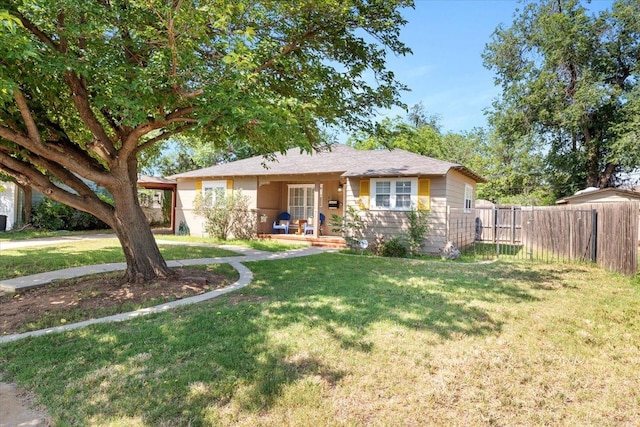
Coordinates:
[455,197]
[386,224]
[455,189]
[600,198]
[185,199]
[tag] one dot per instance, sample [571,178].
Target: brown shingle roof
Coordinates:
[341,159]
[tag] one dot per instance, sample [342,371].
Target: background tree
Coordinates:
[87,86]
[513,165]
[570,83]
[185,153]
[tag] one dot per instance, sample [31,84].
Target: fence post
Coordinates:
[594,236]
[531,235]
[513,225]
[495,231]
[495,224]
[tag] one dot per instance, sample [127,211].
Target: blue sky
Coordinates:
[445,72]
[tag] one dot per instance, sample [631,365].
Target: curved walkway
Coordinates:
[26,282]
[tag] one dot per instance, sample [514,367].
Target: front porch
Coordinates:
[304,200]
[335,242]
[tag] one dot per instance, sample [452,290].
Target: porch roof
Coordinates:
[342,159]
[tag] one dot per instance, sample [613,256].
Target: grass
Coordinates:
[33,260]
[341,340]
[259,244]
[9,236]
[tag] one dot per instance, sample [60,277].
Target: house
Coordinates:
[13,204]
[152,191]
[601,195]
[381,184]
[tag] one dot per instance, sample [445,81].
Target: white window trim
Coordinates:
[468,196]
[213,186]
[372,192]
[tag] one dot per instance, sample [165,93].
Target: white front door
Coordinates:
[300,201]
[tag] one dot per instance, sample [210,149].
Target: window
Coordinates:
[211,190]
[383,194]
[394,193]
[468,197]
[301,201]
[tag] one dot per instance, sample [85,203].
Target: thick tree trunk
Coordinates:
[28,204]
[144,261]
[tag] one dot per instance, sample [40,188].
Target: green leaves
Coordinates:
[568,80]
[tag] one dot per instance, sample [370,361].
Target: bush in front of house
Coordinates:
[417,230]
[53,216]
[226,215]
[394,248]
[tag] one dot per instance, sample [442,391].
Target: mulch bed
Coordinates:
[85,297]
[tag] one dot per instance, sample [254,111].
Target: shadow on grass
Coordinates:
[168,369]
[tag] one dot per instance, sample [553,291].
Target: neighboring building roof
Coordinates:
[342,159]
[156,182]
[594,194]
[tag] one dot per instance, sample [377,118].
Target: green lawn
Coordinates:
[348,340]
[32,260]
[259,244]
[9,236]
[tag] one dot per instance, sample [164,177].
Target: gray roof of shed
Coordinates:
[342,159]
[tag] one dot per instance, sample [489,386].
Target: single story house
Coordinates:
[601,195]
[382,185]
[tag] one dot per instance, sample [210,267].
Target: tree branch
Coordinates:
[81,101]
[287,49]
[40,35]
[66,154]
[130,144]
[163,136]
[25,174]
[25,112]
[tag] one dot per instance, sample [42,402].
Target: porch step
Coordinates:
[330,245]
[333,242]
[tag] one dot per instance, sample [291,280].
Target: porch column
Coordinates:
[316,210]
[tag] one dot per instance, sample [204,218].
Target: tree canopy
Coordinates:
[514,171]
[570,83]
[87,86]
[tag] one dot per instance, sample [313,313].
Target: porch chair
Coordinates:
[282,223]
[309,227]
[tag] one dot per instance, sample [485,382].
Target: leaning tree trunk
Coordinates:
[144,261]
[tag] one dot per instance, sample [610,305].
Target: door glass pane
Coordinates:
[296,202]
[309,202]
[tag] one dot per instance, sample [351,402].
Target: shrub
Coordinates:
[50,215]
[350,226]
[418,227]
[228,215]
[394,248]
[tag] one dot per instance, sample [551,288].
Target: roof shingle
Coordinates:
[340,159]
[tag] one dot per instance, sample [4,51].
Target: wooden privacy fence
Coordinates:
[604,233]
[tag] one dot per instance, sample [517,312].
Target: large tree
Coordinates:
[570,81]
[87,86]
